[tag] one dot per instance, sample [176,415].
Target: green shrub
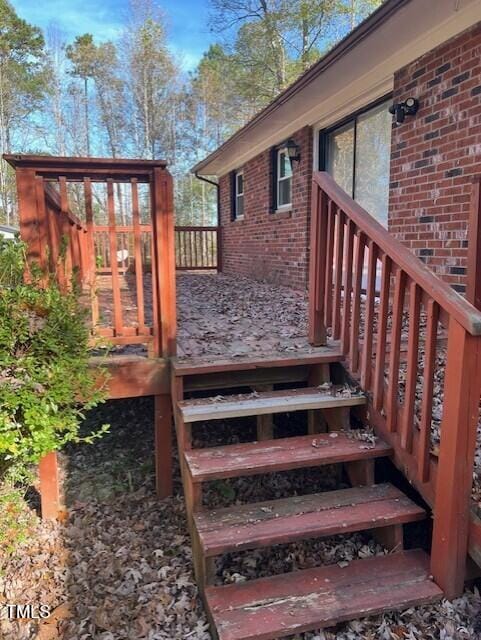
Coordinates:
[45,382]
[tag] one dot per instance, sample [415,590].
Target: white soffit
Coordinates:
[360,76]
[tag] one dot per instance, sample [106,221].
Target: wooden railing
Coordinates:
[121,243]
[197,248]
[122,206]
[63,243]
[392,315]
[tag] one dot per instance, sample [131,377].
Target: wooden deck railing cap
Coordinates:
[449,299]
[32,160]
[97,169]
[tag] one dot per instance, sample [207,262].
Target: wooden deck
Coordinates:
[219,317]
[404,345]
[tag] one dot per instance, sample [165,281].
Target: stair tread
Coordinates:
[268,402]
[309,599]
[272,522]
[211,364]
[283,454]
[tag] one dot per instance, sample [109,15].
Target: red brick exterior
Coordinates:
[434,156]
[436,153]
[266,245]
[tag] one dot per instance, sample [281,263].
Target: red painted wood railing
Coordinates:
[129,303]
[391,315]
[121,243]
[197,248]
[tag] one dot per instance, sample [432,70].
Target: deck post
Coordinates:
[456,458]
[317,267]
[473,285]
[219,249]
[163,248]
[50,500]
[33,223]
[163,445]
[34,231]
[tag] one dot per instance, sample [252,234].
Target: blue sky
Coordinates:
[187,26]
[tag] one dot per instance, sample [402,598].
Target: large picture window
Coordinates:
[357,155]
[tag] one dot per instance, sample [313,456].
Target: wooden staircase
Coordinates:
[282,605]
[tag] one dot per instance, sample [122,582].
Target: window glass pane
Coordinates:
[284,192]
[285,169]
[373,148]
[340,156]
[240,183]
[239,206]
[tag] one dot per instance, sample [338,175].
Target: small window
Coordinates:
[284,179]
[239,195]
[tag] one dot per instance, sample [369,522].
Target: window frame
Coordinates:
[324,134]
[286,205]
[237,195]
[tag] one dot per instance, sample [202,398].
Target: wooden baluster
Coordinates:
[51,246]
[407,424]
[428,388]
[346,309]
[366,369]
[378,387]
[92,267]
[65,226]
[118,324]
[77,251]
[356,303]
[392,406]
[139,276]
[336,310]
[317,266]
[462,385]
[331,223]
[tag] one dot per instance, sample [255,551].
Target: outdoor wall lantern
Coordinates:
[400,110]
[293,150]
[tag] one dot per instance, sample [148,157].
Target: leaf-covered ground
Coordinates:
[120,567]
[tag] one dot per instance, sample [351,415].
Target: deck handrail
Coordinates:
[197,248]
[371,320]
[449,299]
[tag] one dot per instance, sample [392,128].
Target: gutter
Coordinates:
[370,24]
[217,186]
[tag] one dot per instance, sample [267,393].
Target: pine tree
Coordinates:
[23,81]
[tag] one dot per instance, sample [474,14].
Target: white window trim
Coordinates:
[286,205]
[237,194]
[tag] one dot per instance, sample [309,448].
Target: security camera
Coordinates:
[402,109]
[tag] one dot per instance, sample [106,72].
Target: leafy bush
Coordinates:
[45,382]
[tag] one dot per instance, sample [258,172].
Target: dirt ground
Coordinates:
[120,567]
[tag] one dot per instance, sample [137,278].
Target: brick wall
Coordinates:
[265,245]
[436,152]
